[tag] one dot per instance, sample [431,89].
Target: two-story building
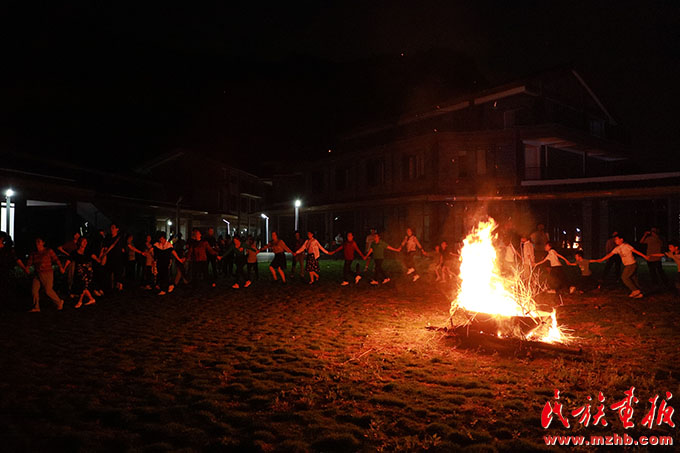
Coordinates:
[230,200]
[543,149]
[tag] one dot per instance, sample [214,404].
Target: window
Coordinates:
[532,162]
[413,166]
[481,161]
[596,127]
[341,179]
[463,164]
[509,118]
[375,172]
[317,182]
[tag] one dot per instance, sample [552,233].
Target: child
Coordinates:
[377,249]
[446,261]
[556,271]
[437,262]
[369,240]
[251,261]
[240,258]
[629,274]
[148,263]
[348,248]
[586,281]
[313,248]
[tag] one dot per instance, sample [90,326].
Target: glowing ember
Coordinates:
[484,290]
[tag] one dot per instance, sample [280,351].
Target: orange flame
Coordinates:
[484,290]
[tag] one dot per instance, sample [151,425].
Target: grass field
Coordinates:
[316,368]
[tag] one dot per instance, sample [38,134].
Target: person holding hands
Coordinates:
[629,274]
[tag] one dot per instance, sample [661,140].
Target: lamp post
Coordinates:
[228,225]
[298,203]
[266,227]
[169,222]
[9,193]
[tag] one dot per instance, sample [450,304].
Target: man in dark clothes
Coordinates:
[8,260]
[299,259]
[180,246]
[114,248]
[96,245]
[228,256]
[655,247]
[212,259]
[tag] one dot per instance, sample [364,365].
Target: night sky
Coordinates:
[106,85]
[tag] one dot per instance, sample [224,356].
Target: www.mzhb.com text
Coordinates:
[614,439]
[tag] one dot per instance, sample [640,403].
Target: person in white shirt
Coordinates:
[556,277]
[313,249]
[412,245]
[509,255]
[528,256]
[629,274]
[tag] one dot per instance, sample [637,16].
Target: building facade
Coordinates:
[174,193]
[543,149]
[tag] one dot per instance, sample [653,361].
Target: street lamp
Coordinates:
[266,226]
[228,225]
[9,193]
[298,203]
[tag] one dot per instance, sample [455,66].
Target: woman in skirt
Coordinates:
[313,250]
[83,272]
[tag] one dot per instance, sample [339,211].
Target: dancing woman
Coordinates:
[313,249]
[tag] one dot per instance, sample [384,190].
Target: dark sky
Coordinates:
[106,84]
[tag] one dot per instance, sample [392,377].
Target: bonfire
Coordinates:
[491,303]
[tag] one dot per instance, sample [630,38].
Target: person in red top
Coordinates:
[349,247]
[42,260]
[198,255]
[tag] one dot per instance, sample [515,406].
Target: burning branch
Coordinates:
[496,304]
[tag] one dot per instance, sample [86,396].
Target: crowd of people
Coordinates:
[110,262]
[618,253]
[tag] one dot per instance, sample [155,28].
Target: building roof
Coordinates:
[524,85]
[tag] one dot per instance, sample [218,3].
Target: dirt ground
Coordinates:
[318,368]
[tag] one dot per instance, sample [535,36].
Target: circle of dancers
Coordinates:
[110,262]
